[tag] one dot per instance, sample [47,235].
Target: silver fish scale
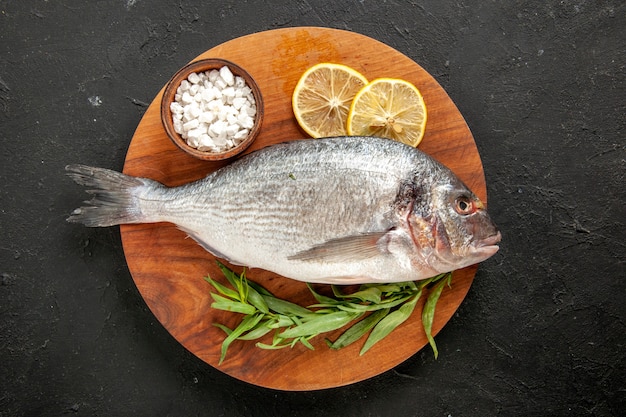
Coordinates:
[284,201]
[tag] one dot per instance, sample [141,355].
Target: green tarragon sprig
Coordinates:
[380,307]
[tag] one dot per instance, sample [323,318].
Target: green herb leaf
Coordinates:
[223,303]
[230,275]
[272,347]
[257,300]
[428,313]
[256,333]
[358,330]
[280,321]
[324,300]
[371,294]
[305,342]
[285,307]
[242,286]
[321,324]
[390,322]
[247,323]
[261,290]
[224,328]
[223,289]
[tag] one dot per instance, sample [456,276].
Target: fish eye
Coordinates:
[464,206]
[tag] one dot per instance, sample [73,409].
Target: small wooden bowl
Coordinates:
[169,97]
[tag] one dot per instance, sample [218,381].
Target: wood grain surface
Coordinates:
[168,268]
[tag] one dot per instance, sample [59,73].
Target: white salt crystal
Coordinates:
[231,119]
[238,102]
[193,78]
[240,82]
[217,128]
[220,83]
[205,140]
[223,135]
[184,86]
[241,134]
[203,127]
[192,124]
[246,92]
[207,94]
[215,105]
[220,141]
[206,117]
[178,126]
[232,129]
[186,98]
[191,111]
[247,123]
[242,116]
[228,92]
[227,75]
[194,133]
[176,107]
[193,142]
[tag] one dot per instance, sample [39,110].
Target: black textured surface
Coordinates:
[541,85]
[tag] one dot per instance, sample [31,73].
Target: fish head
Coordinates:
[456,231]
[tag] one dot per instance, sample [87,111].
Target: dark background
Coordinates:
[542,331]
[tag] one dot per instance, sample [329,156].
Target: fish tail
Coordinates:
[116,197]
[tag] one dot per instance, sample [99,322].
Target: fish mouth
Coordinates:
[488,246]
[489,241]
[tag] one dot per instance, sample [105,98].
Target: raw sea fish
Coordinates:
[344,210]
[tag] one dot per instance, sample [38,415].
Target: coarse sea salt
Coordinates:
[213,111]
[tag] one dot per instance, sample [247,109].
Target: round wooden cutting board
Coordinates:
[168,268]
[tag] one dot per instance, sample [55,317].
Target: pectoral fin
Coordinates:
[349,248]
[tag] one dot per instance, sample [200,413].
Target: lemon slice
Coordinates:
[390,108]
[321,100]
